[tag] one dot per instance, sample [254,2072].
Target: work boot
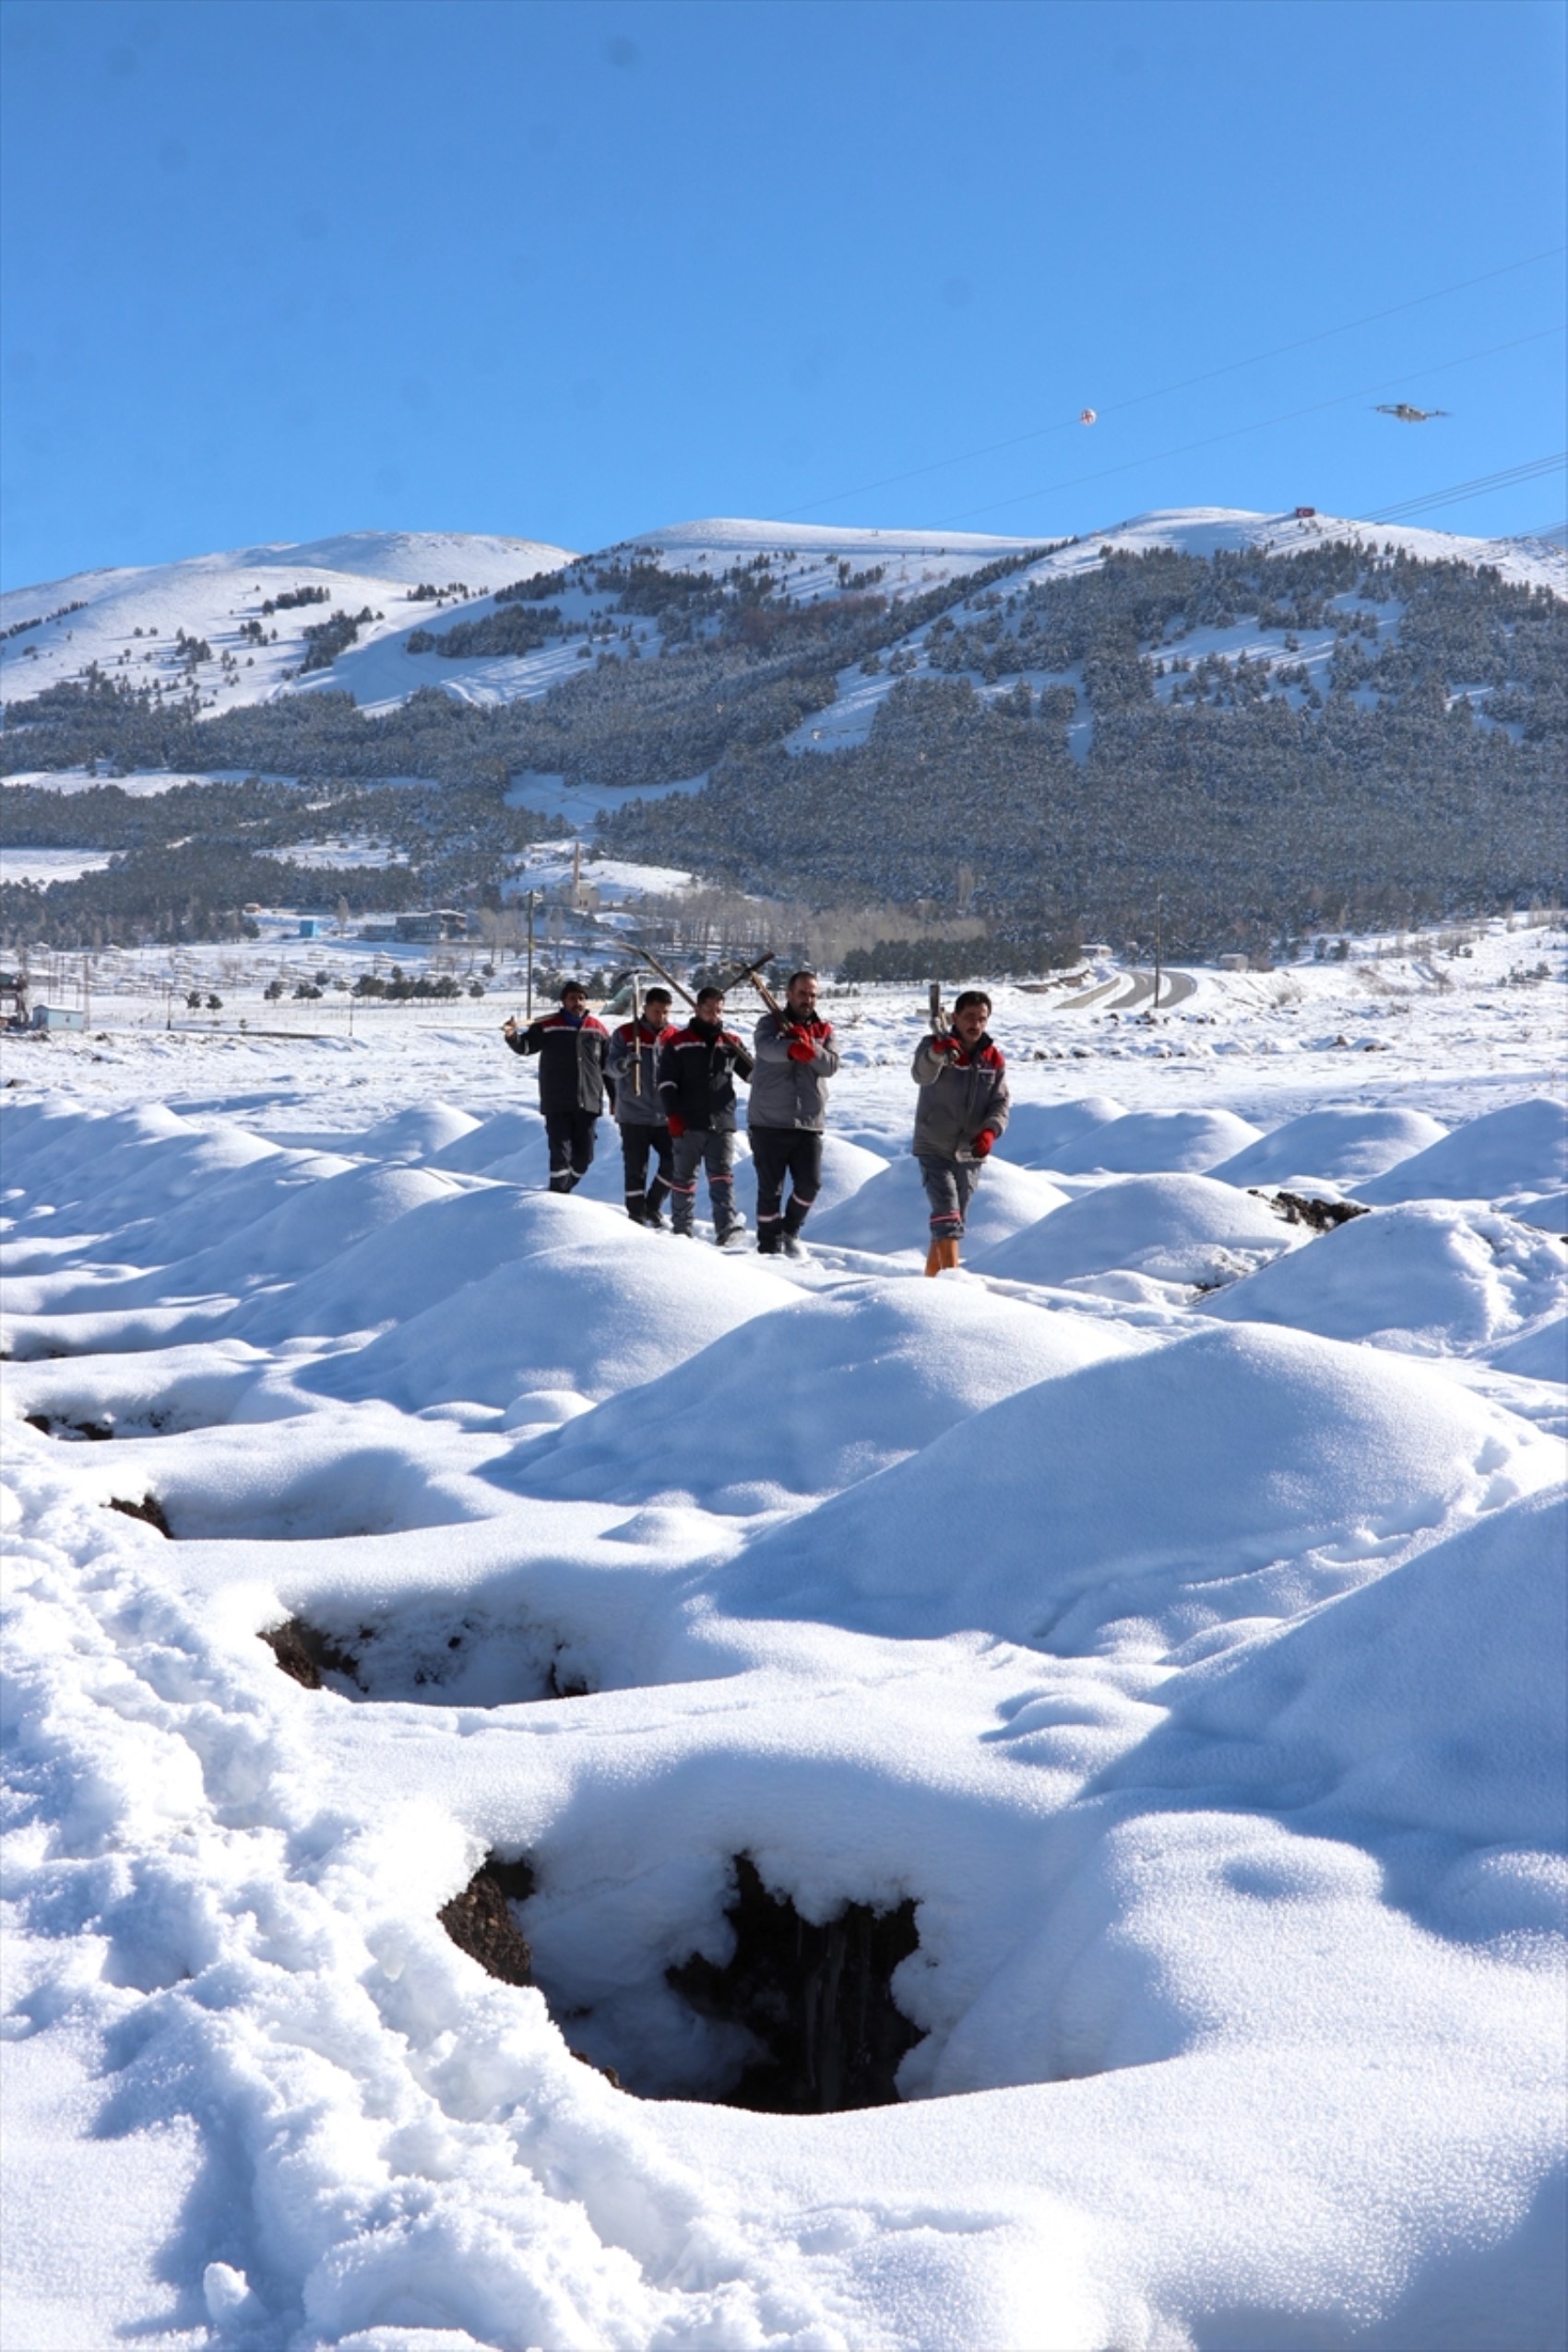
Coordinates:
[941,1256]
[793,1245]
[768,1241]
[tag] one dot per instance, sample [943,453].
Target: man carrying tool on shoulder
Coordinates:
[962,1109]
[573,1049]
[697,1068]
[635,1049]
[795,1059]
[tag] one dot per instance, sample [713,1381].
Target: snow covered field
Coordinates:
[1137,1658]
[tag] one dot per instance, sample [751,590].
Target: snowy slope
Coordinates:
[1187,1661]
[209,596]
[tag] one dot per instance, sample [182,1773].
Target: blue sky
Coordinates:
[277,269]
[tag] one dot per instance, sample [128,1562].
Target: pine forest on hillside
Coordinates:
[1051,752]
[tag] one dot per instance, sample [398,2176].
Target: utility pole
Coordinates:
[1159,956]
[529,1012]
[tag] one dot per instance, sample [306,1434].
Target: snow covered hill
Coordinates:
[1262,724]
[129,621]
[1045,1788]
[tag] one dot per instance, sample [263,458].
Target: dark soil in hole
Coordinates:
[305,1653]
[1306,1208]
[480,1923]
[96,1431]
[148,1509]
[816,1997]
[417,1662]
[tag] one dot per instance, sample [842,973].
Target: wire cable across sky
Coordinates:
[1233,433]
[1478,488]
[1166,391]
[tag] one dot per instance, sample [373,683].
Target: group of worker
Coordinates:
[671,1092]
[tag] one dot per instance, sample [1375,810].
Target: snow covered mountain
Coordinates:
[129,622]
[1264,723]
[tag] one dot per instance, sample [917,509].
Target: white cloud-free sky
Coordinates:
[282,267]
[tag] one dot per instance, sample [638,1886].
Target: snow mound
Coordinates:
[335,1473]
[477,1152]
[1178,1228]
[1133,1504]
[1037,1131]
[603,1313]
[1523,1148]
[800,1416]
[422,1132]
[1548,1210]
[449,1239]
[1345,1145]
[1164,1141]
[890,1210]
[1371,1700]
[180,1388]
[1536,1355]
[1426,1278]
[130,1164]
[311,1224]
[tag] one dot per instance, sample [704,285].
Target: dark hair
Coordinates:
[805,972]
[971,996]
[710,996]
[662,993]
[570,987]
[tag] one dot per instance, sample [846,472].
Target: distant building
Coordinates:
[313,926]
[13,1000]
[58,1016]
[432,923]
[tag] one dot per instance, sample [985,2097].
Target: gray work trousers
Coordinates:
[713,1149]
[949,1187]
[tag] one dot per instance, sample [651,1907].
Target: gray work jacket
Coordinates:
[786,1093]
[960,1093]
[634,1054]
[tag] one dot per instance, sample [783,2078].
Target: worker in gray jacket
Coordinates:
[962,1109]
[787,1111]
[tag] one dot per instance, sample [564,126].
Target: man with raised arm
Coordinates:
[635,1049]
[787,1113]
[961,1112]
[697,1068]
[573,1049]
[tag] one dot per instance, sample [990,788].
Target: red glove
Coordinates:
[802,1050]
[946,1044]
[676,1123]
[983,1143]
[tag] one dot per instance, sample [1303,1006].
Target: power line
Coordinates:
[1262,424]
[1118,408]
[1460,491]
